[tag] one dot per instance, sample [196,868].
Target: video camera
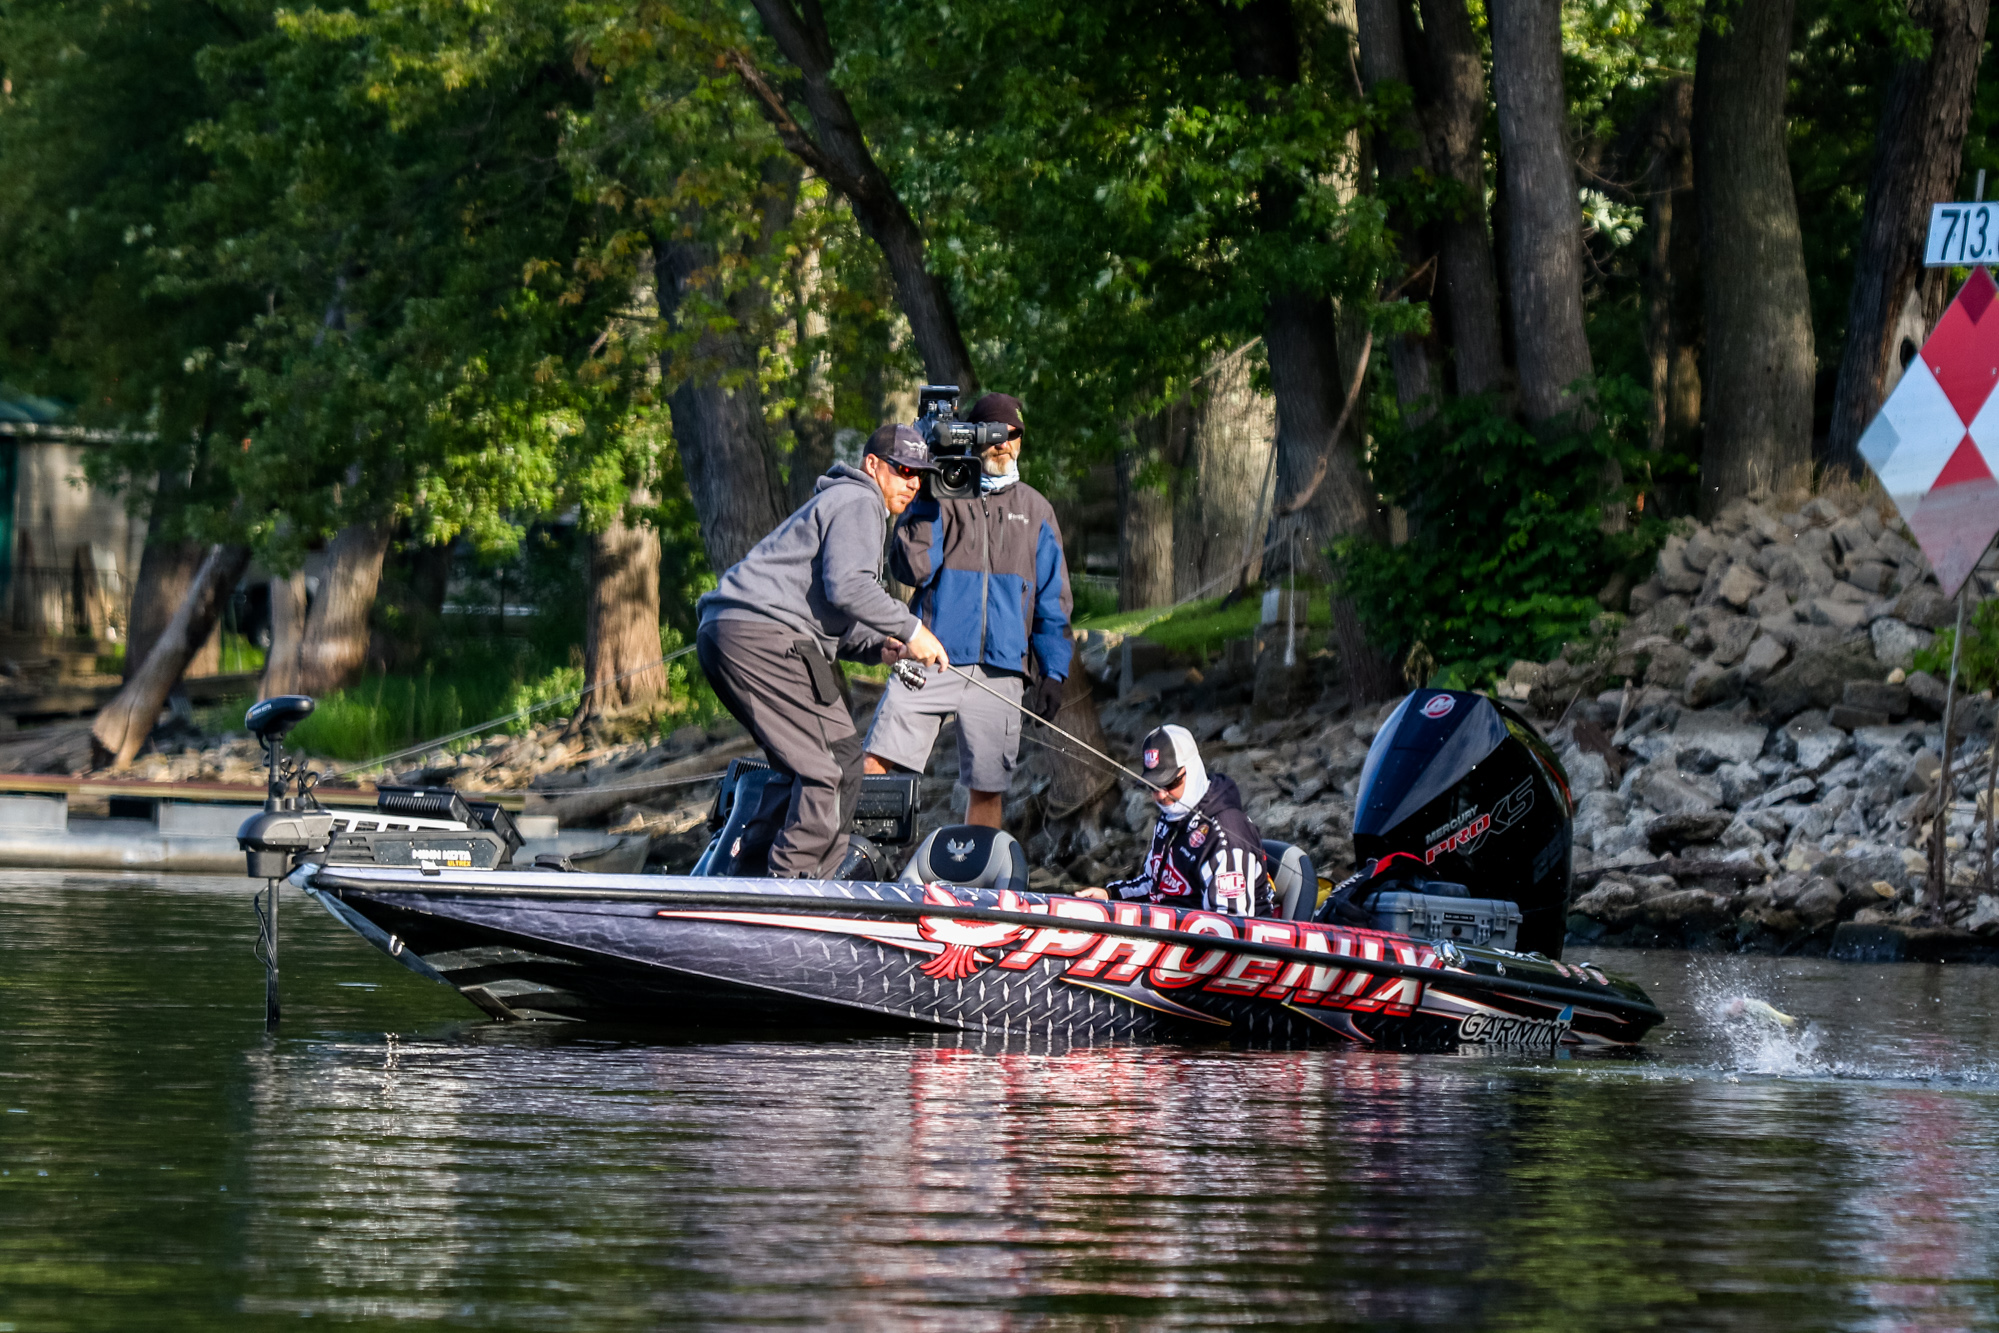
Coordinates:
[955,445]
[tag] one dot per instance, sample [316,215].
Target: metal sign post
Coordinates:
[1934,445]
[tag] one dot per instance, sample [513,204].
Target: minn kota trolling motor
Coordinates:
[291,822]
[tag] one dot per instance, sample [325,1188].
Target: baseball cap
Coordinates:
[1001,407]
[1166,753]
[901,445]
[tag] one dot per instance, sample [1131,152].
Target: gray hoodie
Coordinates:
[819,574]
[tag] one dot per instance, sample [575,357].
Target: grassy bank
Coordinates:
[1202,628]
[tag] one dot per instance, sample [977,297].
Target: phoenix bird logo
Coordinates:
[960,850]
[962,940]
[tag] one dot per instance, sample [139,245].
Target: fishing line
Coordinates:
[913,681]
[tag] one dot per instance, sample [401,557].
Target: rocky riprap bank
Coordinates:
[1769,772]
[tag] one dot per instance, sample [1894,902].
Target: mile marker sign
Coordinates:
[1962,235]
[1935,443]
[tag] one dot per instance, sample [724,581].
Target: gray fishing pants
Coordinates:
[758,673]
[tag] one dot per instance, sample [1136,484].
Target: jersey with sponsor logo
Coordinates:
[1211,860]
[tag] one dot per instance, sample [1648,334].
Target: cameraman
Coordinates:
[805,594]
[992,584]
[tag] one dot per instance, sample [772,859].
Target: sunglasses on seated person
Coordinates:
[903,471]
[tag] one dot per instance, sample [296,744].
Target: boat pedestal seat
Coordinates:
[1292,879]
[969,854]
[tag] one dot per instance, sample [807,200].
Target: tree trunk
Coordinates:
[288,612]
[836,149]
[1917,157]
[621,654]
[718,414]
[1400,156]
[1669,180]
[166,571]
[1145,520]
[123,724]
[1455,125]
[726,446]
[1223,500]
[1757,383]
[1074,779]
[334,647]
[1543,223]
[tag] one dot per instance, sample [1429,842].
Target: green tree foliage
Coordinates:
[1506,552]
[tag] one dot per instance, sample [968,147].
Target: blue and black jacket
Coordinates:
[990,579]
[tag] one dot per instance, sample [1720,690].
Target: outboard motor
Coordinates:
[1468,791]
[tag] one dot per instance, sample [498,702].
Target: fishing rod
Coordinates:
[1605,999]
[911,674]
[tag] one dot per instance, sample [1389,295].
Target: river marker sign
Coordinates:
[1935,443]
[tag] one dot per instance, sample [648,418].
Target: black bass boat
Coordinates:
[955,943]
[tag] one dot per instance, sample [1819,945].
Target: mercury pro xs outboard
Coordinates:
[1461,796]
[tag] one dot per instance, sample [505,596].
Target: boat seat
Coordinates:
[1292,879]
[969,854]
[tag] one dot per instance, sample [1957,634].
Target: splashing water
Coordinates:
[1759,1037]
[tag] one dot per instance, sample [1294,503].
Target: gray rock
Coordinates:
[1671,794]
[1596,811]
[1730,637]
[1850,536]
[1689,909]
[1709,683]
[1674,574]
[1892,547]
[1816,744]
[1896,642]
[1735,740]
[1622,844]
[1789,791]
[1836,613]
[1870,576]
[1877,697]
[1815,679]
[1669,666]
[1763,656]
[1612,902]
[1926,606]
[1587,771]
[1770,602]
[1818,905]
[1738,585]
[1927,693]
[1896,739]
[1672,832]
[1700,550]
[1864,866]
[1740,784]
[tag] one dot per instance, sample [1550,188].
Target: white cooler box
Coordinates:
[1493,922]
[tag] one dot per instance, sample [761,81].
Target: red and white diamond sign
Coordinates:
[1935,444]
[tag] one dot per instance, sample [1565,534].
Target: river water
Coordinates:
[392,1159]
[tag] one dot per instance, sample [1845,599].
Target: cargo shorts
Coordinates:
[906,723]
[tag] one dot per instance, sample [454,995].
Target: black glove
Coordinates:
[1044,697]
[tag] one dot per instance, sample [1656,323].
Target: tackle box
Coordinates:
[1493,922]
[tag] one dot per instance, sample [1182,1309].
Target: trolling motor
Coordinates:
[290,823]
[292,820]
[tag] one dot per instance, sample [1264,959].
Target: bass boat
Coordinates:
[956,941]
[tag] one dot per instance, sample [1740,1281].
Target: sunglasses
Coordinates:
[906,473]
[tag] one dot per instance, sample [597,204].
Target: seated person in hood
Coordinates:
[1205,852]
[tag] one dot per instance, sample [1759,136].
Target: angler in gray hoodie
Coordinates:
[805,595]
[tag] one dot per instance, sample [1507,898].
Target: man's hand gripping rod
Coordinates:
[910,673]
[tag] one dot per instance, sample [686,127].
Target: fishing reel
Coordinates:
[910,672]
